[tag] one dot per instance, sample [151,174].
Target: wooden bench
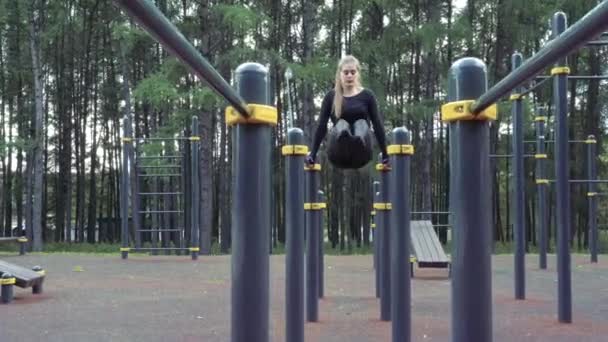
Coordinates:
[426,246]
[21,240]
[11,274]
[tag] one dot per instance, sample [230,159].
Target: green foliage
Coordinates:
[157,91]
[241,17]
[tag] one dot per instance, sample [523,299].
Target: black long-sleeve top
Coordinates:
[360,106]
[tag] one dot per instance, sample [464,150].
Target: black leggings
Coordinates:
[350,147]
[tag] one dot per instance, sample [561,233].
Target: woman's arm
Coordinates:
[321,131]
[378,126]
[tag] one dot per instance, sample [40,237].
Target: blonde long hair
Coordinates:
[338,88]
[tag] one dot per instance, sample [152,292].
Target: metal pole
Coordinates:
[541,188]
[382,210]
[400,235]
[376,236]
[470,189]
[157,25]
[589,26]
[312,243]
[560,98]
[321,200]
[294,235]
[124,191]
[518,195]
[592,198]
[195,213]
[251,212]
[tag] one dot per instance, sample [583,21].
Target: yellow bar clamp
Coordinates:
[315,206]
[413,259]
[194,249]
[542,181]
[126,140]
[125,249]
[383,167]
[461,110]
[297,150]
[8,281]
[373,225]
[194,138]
[400,149]
[315,167]
[560,71]
[383,206]
[258,114]
[373,213]
[590,141]
[540,118]
[22,240]
[591,194]
[515,97]
[540,156]
[41,272]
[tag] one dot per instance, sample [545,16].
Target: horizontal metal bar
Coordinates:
[442,225]
[160,211]
[589,26]
[160,230]
[157,25]
[160,175]
[159,166]
[143,249]
[578,77]
[597,42]
[588,180]
[159,193]
[509,155]
[158,157]
[163,139]
[430,212]
[534,86]
[552,141]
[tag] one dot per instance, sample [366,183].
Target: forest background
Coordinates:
[70,70]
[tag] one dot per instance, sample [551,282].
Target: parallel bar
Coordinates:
[160,230]
[294,240]
[578,77]
[195,219]
[597,42]
[124,194]
[533,87]
[576,36]
[562,209]
[153,21]
[518,196]
[592,200]
[159,193]
[160,211]
[163,139]
[159,166]
[159,175]
[430,212]
[400,241]
[541,193]
[159,157]
[509,155]
[145,249]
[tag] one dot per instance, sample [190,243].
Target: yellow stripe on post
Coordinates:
[590,141]
[373,213]
[515,97]
[373,225]
[315,167]
[540,118]
[258,114]
[194,249]
[297,150]
[383,168]
[125,249]
[383,206]
[560,71]
[400,149]
[22,240]
[194,138]
[591,194]
[542,181]
[8,281]
[540,156]
[461,111]
[126,140]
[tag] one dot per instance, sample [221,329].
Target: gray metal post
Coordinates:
[251,209]
[321,200]
[312,243]
[382,210]
[592,198]
[541,187]
[7,282]
[518,195]
[194,174]
[562,189]
[400,235]
[124,191]
[376,236]
[470,197]
[294,235]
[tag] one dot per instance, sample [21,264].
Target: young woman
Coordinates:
[351,108]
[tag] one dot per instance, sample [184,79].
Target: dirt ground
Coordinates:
[171,298]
